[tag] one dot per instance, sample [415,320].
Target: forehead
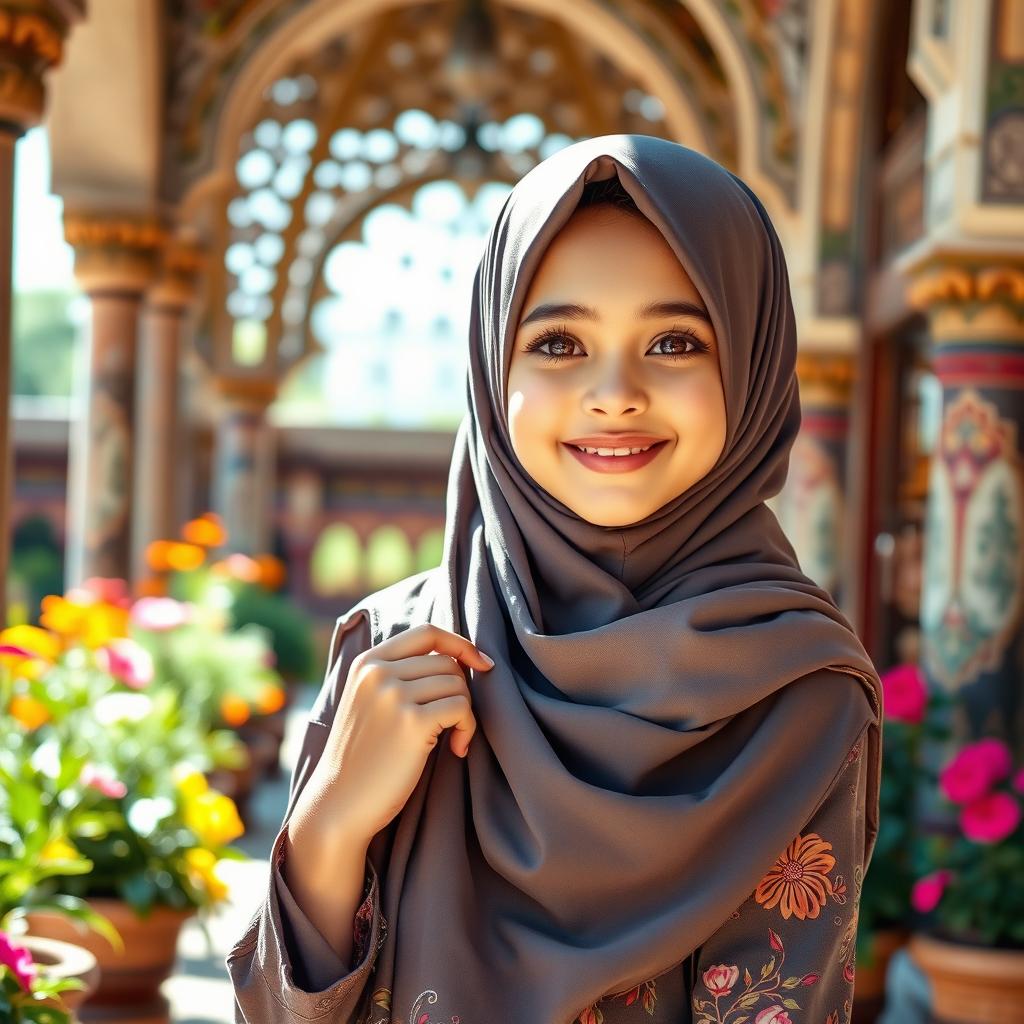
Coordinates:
[606,255]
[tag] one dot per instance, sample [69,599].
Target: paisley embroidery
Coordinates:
[798,883]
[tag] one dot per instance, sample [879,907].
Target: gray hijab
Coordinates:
[671,699]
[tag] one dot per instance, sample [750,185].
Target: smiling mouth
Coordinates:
[611,463]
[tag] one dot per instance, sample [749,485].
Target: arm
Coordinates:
[283,969]
[790,945]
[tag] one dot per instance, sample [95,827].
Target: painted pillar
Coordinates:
[811,507]
[973,573]
[31,42]
[244,463]
[160,438]
[115,262]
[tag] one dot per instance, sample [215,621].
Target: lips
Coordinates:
[614,440]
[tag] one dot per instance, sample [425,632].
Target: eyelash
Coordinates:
[552,333]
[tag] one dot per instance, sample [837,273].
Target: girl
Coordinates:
[659,802]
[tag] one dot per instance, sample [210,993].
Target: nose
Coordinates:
[616,392]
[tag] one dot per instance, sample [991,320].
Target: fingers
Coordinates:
[454,713]
[426,637]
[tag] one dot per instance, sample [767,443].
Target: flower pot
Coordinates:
[263,735]
[871,973]
[58,960]
[129,987]
[970,984]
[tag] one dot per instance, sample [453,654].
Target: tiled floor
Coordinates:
[199,991]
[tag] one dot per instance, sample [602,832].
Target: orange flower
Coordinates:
[156,554]
[184,556]
[271,699]
[207,531]
[272,571]
[62,616]
[151,586]
[799,883]
[234,710]
[28,711]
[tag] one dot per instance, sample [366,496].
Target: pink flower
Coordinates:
[102,779]
[721,978]
[128,661]
[1018,781]
[159,613]
[928,890]
[20,961]
[773,1015]
[111,589]
[974,769]
[991,818]
[904,694]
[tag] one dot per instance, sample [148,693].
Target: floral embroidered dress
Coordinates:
[784,956]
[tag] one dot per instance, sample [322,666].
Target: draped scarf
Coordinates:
[671,699]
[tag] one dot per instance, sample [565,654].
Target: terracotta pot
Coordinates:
[971,984]
[264,734]
[59,960]
[129,987]
[870,974]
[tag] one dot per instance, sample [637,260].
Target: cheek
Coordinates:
[698,400]
[535,404]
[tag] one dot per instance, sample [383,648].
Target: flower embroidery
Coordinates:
[798,883]
[644,995]
[720,981]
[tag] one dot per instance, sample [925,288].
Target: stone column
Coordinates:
[244,457]
[115,262]
[972,596]
[811,507]
[31,42]
[160,440]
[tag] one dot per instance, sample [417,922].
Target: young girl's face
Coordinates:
[620,370]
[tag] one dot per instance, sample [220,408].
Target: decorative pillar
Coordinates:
[160,441]
[973,575]
[811,506]
[31,42]
[244,462]
[115,263]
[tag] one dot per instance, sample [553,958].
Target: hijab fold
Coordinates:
[671,699]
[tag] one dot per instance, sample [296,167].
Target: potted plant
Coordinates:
[43,980]
[885,894]
[110,751]
[970,942]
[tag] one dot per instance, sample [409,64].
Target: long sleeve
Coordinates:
[789,948]
[282,969]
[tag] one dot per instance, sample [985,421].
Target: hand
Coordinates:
[397,700]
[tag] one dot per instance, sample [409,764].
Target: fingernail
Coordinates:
[487,658]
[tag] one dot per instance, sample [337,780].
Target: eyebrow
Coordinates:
[574,311]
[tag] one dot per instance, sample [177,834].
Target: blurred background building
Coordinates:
[246,231]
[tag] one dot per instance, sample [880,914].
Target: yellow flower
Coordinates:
[189,780]
[28,711]
[94,624]
[32,638]
[58,849]
[183,556]
[213,817]
[203,864]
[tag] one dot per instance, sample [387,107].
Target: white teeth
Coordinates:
[612,451]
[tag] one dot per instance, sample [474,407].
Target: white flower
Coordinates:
[120,707]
